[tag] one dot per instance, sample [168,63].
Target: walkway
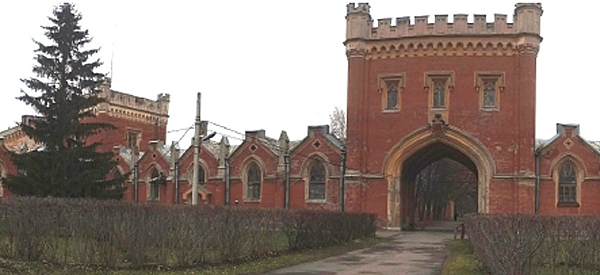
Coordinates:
[420,252]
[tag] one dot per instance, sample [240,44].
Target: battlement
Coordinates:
[132,107]
[362,7]
[526,19]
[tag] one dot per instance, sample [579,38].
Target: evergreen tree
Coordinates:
[66,92]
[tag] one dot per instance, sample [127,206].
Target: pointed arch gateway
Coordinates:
[421,148]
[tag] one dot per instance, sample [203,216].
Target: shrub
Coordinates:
[525,244]
[117,234]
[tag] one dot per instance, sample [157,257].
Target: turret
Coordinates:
[358,28]
[358,21]
[527,18]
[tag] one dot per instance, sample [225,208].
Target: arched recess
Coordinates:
[307,166]
[580,172]
[426,145]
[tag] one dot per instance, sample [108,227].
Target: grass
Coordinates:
[259,266]
[461,259]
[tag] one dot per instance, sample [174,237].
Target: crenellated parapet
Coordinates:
[134,108]
[362,38]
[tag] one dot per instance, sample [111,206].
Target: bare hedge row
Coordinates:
[525,244]
[119,234]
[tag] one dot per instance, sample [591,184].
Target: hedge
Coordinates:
[526,244]
[118,234]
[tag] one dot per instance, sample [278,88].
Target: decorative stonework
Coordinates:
[568,143]
[438,125]
[460,38]
[133,108]
[451,47]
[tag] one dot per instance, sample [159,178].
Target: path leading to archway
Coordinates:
[420,252]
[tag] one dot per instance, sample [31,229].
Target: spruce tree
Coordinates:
[66,90]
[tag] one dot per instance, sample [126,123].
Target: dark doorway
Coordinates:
[438,182]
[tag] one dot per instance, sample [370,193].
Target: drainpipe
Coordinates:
[342,180]
[227,182]
[135,182]
[177,182]
[537,181]
[286,200]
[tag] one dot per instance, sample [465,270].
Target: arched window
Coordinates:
[439,94]
[154,187]
[316,184]
[254,182]
[489,93]
[201,178]
[392,95]
[567,183]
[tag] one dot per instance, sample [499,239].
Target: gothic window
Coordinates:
[567,183]
[201,179]
[489,85]
[132,139]
[439,94]
[390,87]
[489,93]
[254,182]
[316,184]
[154,185]
[392,96]
[438,85]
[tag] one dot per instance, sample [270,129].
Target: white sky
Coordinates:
[278,65]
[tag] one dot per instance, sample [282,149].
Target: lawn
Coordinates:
[461,259]
[8,266]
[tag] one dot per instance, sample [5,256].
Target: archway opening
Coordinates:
[437,182]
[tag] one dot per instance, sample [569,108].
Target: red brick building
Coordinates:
[417,93]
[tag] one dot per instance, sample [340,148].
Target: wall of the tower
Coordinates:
[463,56]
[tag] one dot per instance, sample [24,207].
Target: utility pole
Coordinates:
[197,141]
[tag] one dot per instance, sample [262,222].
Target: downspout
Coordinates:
[342,180]
[177,182]
[537,181]
[286,199]
[135,182]
[227,183]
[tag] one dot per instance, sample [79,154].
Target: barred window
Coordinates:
[567,183]
[254,182]
[316,185]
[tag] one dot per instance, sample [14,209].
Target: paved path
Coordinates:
[420,252]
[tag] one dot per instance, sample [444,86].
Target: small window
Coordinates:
[438,85]
[154,185]
[132,139]
[316,185]
[439,93]
[489,93]
[391,86]
[489,85]
[201,178]
[254,182]
[392,96]
[567,184]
